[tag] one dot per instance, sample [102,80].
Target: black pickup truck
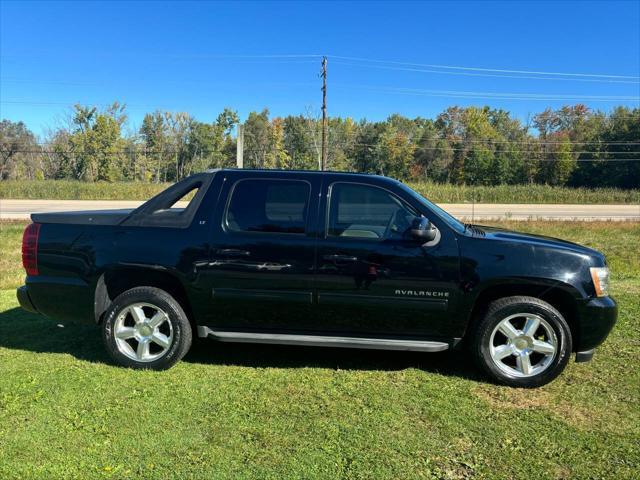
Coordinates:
[316,258]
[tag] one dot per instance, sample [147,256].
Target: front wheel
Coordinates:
[146,328]
[522,342]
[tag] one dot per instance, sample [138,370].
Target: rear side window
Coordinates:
[174,207]
[268,206]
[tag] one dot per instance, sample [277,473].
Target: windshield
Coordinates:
[445,216]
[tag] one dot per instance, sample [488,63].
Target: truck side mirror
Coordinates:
[423,230]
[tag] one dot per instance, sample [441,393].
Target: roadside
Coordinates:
[21,209]
[436,192]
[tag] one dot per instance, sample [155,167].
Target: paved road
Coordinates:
[20,209]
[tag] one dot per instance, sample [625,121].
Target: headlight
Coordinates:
[600,277]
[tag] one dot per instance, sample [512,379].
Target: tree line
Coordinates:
[573,145]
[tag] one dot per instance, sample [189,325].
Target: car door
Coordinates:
[373,279]
[261,268]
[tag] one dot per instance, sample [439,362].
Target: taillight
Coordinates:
[30,248]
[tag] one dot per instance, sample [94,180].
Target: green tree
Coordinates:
[342,136]
[18,151]
[277,156]
[364,152]
[395,153]
[258,140]
[97,143]
[154,133]
[433,156]
[299,142]
[473,145]
[559,161]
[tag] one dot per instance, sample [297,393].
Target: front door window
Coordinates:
[366,212]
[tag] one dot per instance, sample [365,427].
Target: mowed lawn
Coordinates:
[247,411]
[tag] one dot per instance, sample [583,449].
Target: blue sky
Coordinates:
[200,57]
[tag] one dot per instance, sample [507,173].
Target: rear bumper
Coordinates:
[61,298]
[596,318]
[25,300]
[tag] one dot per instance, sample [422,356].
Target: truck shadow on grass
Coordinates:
[20,330]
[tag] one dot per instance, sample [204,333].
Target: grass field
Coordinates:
[440,193]
[247,411]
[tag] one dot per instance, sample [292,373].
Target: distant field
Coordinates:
[75,190]
[439,193]
[257,411]
[447,193]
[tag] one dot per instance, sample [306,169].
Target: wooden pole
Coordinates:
[323,164]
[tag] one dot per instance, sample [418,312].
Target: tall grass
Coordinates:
[447,193]
[440,193]
[76,190]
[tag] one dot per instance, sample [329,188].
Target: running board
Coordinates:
[323,341]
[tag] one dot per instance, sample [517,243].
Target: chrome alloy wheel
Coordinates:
[143,332]
[523,345]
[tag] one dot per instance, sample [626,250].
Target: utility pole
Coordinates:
[240,146]
[323,163]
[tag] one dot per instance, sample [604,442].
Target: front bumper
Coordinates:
[596,318]
[25,300]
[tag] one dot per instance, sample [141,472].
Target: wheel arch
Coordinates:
[561,296]
[116,280]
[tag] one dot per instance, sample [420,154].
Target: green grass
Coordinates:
[441,193]
[76,190]
[247,411]
[11,272]
[447,193]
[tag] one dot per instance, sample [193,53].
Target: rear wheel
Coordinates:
[522,342]
[145,327]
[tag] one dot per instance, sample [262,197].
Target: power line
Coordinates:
[489,95]
[396,91]
[527,95]
[172,151]
[496,70]
[165,81]
[71,104]
[468,74]
[276,56]
[494,142]
[510,151]
[166,55]
[593,142]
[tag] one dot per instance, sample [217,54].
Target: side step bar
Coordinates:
[323,341]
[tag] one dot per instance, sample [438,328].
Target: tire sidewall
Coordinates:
[162,300]
[555,320]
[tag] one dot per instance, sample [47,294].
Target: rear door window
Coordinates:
[269,206]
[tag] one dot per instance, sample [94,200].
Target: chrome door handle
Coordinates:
[340,258]
[233,252]
[272,267]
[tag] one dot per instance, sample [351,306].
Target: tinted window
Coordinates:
[444,215]
[273,206]
[182,202]
[367,212]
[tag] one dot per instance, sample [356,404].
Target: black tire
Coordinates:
[503,308]
[176,322]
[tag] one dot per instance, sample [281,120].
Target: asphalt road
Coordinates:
[21,209]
